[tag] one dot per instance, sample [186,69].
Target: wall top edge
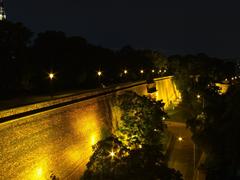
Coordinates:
[66,99]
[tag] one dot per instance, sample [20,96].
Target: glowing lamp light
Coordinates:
[165,70]
[163,118]
[112,154]
[125,71]
[141,71]
[232,78]
[180,139]
[51,76]
[198,96]
[99,73]
[153,71]
[140,146]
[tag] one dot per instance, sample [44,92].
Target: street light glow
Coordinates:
[125,71]
[51,76]
[198,96]
[112,154]
[99,73]
[180,139]
[153,71]
[141,71]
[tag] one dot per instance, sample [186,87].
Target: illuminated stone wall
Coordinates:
[223,88]
[58,141]
[167,91]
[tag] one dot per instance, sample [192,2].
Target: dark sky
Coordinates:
[173,26]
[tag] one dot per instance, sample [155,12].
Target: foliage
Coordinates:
[223,133]
[135,151]
[213,118]
[143,163]
[14,42]
[141,121]
[75,62]
[102,165]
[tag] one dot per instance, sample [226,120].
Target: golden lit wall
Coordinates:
[58,141]
[167,91]
[223,87]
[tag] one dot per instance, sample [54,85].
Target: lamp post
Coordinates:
[99,74]
[199,97]
[141,72]
[180,139]
[51,76]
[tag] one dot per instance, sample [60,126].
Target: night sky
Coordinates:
[173,26]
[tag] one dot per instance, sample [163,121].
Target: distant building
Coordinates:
[2,11]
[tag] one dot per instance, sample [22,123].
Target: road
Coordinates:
[181,156]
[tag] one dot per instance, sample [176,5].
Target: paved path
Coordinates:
[181,156]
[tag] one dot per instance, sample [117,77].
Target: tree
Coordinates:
[111,160]
[135,151]
[141,121]
[14,42]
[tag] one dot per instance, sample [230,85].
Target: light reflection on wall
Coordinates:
[40,171]
[87,125]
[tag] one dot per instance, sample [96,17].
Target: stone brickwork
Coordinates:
[57,140]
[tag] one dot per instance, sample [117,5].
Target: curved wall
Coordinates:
[57,141]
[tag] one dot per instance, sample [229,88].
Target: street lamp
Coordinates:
[198,96]
[141,71]
[180,139]
[99,73]
[51,76]
[125,71]
[153,71]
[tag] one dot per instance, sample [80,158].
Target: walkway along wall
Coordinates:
[55,137]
